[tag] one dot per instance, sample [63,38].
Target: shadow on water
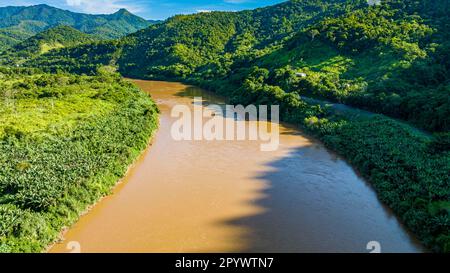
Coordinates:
[315,202]
[209,99]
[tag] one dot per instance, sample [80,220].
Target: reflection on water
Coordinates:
[228,196]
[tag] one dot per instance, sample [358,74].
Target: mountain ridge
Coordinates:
[21,22]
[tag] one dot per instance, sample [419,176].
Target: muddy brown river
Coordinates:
[229,196]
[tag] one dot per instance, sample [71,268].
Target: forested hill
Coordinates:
[20,23]
[387,58]
[54,38]
[391,59]
[209,42]
[204,44]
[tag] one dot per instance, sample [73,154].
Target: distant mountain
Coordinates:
[20,23]
[155,21]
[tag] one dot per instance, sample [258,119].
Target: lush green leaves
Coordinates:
[65,140]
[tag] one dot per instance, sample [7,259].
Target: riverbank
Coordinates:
[54,170]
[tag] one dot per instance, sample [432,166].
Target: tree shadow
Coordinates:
[209,99]
[315,202]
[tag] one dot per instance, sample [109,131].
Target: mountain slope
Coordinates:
[187,44]
[206,44]
[57,37]
[388,59]
[19,23]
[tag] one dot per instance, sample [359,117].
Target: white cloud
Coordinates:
[100,6]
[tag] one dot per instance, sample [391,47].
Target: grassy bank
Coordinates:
[65,141]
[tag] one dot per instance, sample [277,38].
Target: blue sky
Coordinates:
[149,9]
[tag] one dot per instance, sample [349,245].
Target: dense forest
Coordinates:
[48,40]
[391,59]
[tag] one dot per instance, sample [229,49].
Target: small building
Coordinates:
[301,75]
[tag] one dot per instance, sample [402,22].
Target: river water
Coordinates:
[229,196]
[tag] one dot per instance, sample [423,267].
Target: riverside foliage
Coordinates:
[65,141]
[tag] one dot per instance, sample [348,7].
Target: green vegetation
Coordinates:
[20,23]
[388,59]
[79,59]
[205,45]
[54,38]
[391,59]
[65,141]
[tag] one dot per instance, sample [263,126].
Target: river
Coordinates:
[229,196]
